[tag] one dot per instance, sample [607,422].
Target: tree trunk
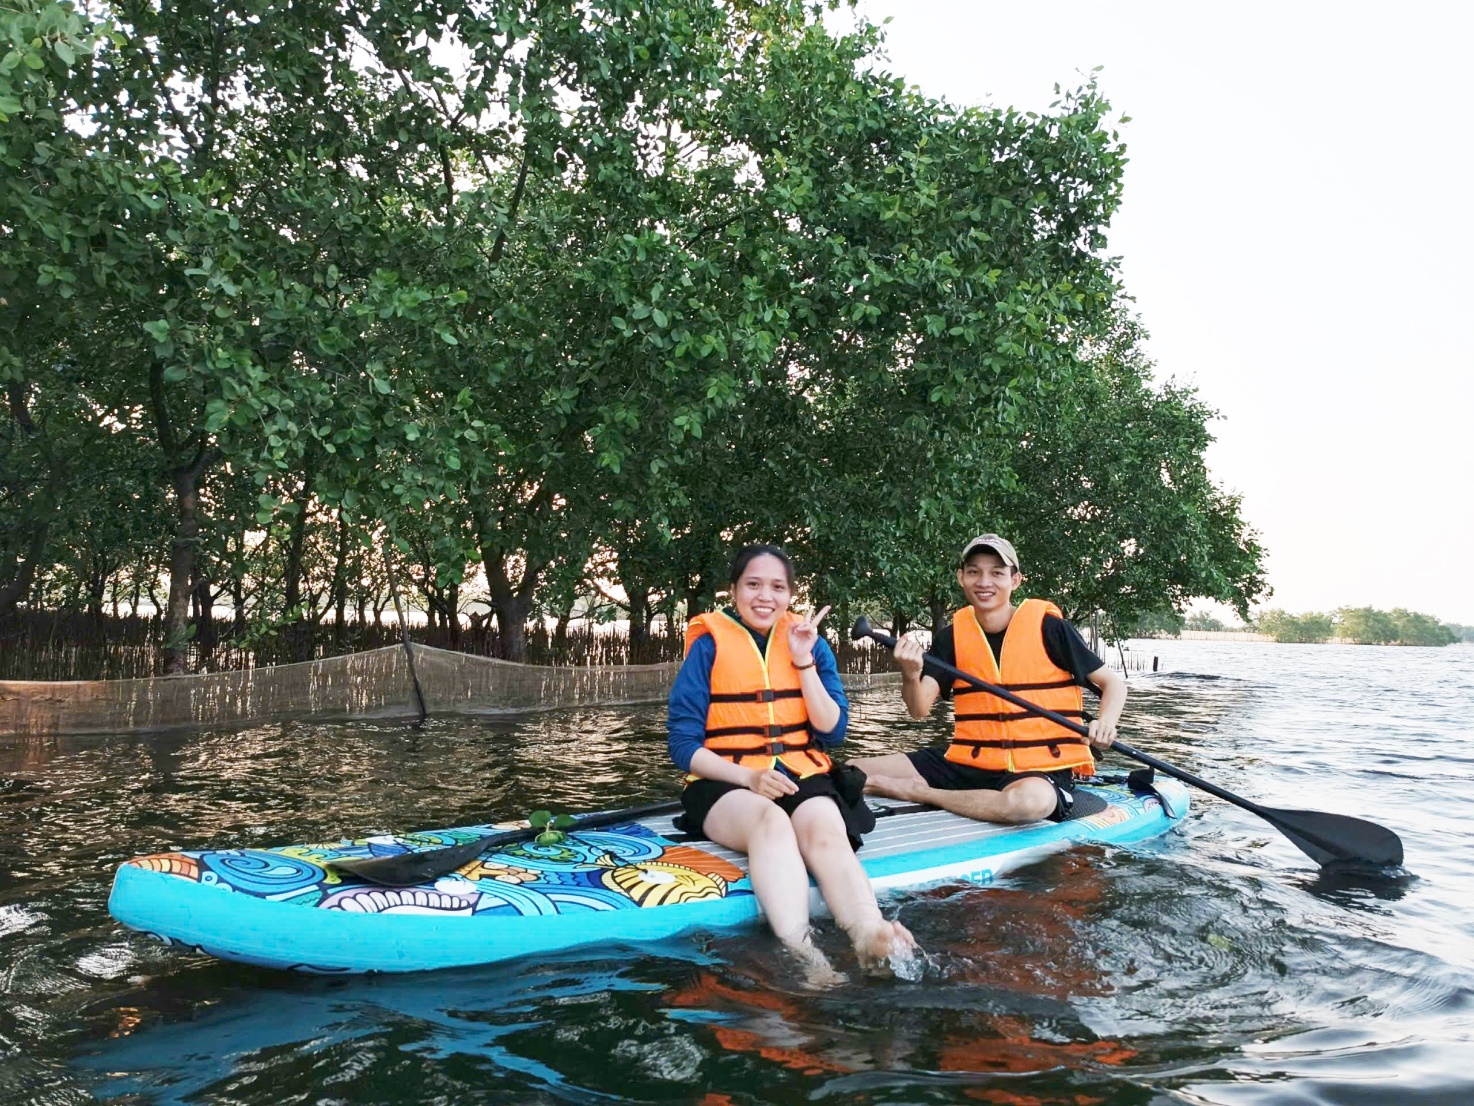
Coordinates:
[97,579]
[695,594]
[238,604]
[512,609]
[512,602]
[453,615]
[560,632]
[899,622]
[340,584]
[938,615]
[639,610]
[300,637]
[206,635]
[181,569]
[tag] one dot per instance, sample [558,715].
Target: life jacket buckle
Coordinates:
[775,731]
[777,748]
[766,695]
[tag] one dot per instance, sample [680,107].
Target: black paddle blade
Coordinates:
[409,869]
[1337,838]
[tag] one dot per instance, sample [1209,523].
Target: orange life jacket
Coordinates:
[757,717]
[995,735]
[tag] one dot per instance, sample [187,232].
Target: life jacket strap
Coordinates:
[1046,685]
[1012,716]
[765,695]
[760,731]
[1052,744]
[773,748]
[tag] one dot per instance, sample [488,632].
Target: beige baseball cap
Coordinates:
[998,545]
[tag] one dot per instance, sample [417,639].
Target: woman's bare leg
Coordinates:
[825,847]
[748,823]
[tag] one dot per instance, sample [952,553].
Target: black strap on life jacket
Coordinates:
[766,695]
[1051,743]
[1012,716]
[773,745]
[1048,685]
[760,731]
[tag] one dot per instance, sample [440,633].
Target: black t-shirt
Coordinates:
[1062,642]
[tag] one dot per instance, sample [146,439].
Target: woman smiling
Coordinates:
[755,705]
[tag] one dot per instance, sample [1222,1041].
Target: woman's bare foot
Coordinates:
[883,946]
[819,973]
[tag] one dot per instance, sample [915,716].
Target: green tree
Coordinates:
[534,286]
[1368,626]
[1303,628]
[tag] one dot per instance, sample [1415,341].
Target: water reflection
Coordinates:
[290,1026]
[1215,965]
[1355,886]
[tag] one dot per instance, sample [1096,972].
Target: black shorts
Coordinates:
[701,795]
[944,775]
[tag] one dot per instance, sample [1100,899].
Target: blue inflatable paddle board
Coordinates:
[288,908]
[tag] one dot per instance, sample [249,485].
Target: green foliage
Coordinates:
[1163,623]
[553,826]
[1367,626]
[1302,628]
[566,292]
[1202,621]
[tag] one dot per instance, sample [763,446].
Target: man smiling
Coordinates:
[1004,764]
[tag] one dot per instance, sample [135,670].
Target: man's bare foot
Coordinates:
[894,787]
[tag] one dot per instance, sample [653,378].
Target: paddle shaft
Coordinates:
[1075,727]
[588,821]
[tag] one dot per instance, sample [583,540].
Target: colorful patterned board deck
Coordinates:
[282,908]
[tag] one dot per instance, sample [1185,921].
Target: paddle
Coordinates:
[1325,838]
[409,869]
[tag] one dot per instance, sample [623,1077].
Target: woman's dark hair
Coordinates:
[749,553]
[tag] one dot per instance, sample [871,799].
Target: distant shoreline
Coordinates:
[1221,635]
[1249,635]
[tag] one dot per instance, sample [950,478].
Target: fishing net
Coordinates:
[372,684]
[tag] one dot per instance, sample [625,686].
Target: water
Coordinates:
[1212,965]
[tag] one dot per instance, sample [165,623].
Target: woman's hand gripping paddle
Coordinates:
[1325,838]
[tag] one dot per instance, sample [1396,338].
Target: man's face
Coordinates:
[987,581]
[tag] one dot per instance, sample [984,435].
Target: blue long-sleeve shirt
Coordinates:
[690,696]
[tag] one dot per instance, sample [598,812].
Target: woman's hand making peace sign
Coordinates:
[801,639]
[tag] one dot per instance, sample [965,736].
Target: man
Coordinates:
[1004,764]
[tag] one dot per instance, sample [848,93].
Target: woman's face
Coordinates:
[762,593]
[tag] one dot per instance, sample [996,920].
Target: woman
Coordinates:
[754,706]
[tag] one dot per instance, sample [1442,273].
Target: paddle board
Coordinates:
[288,907]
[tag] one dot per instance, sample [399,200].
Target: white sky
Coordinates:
[1297,234]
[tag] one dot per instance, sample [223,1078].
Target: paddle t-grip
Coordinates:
[862,630]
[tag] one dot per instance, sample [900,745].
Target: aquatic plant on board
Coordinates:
[552,826]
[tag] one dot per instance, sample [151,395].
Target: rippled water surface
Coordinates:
[1211,965]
